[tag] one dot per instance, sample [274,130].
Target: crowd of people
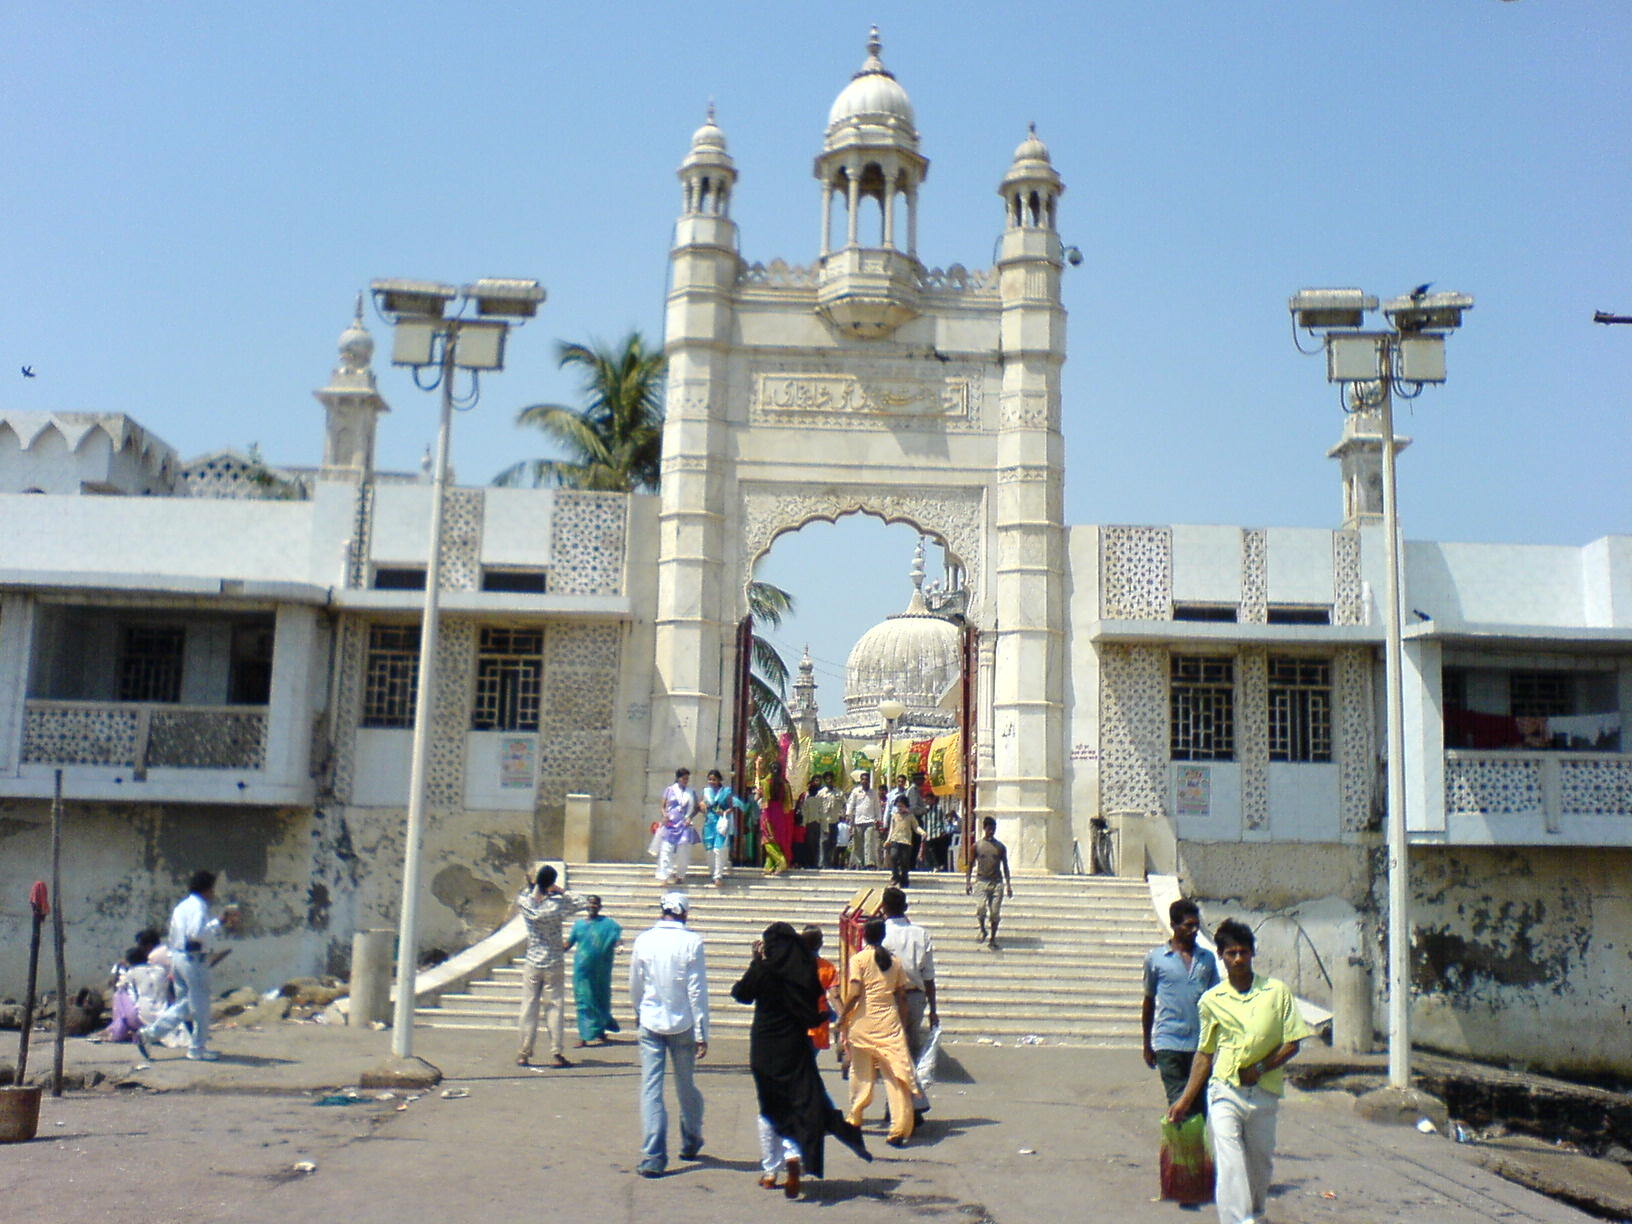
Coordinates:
[896,828]
[1218,1042]
[876,1021]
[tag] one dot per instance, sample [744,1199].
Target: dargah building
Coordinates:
[219,652]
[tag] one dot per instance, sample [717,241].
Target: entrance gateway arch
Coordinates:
[867,383]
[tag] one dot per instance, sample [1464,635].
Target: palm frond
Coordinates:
[768,604]
[770,666]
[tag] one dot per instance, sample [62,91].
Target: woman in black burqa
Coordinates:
[795,1111]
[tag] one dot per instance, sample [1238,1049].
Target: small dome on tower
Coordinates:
[1031,149]
[873,93]
[710,135]
[353,372]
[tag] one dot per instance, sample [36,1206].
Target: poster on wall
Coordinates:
[1193,791]
[516,762]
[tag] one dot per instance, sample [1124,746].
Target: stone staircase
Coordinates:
[1068,970]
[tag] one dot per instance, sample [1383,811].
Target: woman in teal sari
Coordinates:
[594,939]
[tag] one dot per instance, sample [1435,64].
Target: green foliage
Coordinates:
[614,443]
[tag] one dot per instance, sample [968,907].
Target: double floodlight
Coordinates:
[418,311]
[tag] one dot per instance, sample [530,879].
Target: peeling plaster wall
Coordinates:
[1525,954]
[1521,955]
[306,880]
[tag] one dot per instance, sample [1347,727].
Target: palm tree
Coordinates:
[614,443]
[768,678]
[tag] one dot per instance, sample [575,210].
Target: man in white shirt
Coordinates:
[911,943]
[861,807]
[192,932]
[668,991]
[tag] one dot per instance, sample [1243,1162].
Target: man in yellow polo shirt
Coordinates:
[1250,1027]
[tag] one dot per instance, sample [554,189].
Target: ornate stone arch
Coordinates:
[956,517]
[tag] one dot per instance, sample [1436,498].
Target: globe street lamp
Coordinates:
[892,709]
[1371,368]
[428,338]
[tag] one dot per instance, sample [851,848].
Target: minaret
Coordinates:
[803,708]
[1360,458]
[1028,515]
[869,276]
[693,642]
[352,405]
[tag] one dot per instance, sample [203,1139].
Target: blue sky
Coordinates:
[196,192]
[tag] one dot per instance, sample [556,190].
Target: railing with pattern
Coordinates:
[140,736]
[1549,784]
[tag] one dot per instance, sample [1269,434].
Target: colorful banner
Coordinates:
[946,764]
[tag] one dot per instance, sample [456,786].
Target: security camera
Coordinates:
[1073,256]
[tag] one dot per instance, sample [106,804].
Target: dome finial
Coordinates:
[874,43]
[917,573]
[710,114]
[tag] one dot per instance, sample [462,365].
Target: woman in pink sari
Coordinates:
[776,827]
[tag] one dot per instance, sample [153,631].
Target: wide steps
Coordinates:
[1069,969]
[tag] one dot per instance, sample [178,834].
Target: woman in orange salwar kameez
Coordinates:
[872,1026]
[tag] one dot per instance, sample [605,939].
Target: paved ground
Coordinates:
[1023,1134]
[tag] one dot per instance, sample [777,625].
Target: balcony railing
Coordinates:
[143,736]
[1548,784]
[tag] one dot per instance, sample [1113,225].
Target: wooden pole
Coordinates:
[29,995]
[57,939]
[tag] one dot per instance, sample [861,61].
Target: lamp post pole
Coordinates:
[1399,920]
[1403,359]
[426,338]
[402,1019]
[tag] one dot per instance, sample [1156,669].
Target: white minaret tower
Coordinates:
[803,708]
[869,275]
[352,405]
[693,641]
[1029,514]
[1360,458]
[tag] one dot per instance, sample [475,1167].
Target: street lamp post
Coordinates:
[891,708]
[1371,368]
[427,338]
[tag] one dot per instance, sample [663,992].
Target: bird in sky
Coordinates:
[1421,291]
[28,372]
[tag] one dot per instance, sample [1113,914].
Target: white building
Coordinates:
[219,655]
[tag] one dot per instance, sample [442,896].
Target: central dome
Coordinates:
[873,93]
[916,653]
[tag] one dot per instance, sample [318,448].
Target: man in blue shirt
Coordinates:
[1177,974]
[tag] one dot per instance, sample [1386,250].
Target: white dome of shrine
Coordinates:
[915,652]
[873,94]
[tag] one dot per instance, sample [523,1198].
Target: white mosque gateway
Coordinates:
[219,653]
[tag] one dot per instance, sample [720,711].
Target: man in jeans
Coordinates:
[542,907]
[193,932]
[1177,974]
[668,991]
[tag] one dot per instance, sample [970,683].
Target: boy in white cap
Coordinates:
[668,991]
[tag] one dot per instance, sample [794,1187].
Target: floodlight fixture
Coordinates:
[479,344]
[413,341]
[400,299]
[1420,358]
[1428,312]
[1320,309]
[505,297]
